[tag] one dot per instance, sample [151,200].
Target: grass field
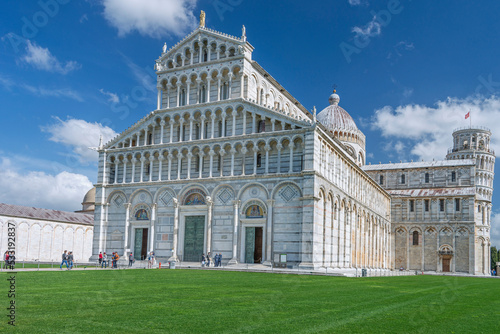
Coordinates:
[208,301]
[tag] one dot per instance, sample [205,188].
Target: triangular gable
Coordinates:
[201,32]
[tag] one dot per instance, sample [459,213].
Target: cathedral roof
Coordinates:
[45,214]
[335,118]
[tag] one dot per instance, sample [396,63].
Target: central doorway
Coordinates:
[446,264]
[253,244]
[141,244]
[194,232]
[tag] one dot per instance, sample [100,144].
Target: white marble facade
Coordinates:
[231,163]
[43,235]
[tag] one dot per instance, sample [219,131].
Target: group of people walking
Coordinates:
[206,261]
[68,259]
[104,262]
[9,259]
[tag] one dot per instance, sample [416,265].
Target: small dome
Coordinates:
[335,117]
[89,196]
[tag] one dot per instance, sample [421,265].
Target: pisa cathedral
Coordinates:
[231,163]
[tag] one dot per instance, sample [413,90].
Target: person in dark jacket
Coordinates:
[64,260]
[130,260]
[70,260]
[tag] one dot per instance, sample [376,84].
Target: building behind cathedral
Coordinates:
[231,163]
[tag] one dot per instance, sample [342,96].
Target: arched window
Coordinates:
[415,238]
[427,178]
[403,179]
[261,126]
[381,180]
[259,160]
[205,56]
[150,139]
[203,94]
[453,176]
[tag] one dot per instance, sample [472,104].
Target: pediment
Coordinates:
[203,39]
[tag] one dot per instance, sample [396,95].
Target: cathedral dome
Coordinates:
[341,125]
[335,118]
[88,203]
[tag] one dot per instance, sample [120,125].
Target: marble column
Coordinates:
[236,205]
[152,228]
[174,258]
[127,227]
[209,224]
[269,234]
[162,125]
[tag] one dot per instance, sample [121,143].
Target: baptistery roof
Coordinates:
[334,117]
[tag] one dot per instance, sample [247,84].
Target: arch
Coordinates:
[253,184]
[249,209]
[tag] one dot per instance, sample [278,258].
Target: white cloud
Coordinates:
[63,191]
[357,2]
[155,18]
[372,29]
[56,92]
[428,130]
[79,135]
[68,93]
[112,97]
[42,59]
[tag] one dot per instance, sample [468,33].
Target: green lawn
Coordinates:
[208,301]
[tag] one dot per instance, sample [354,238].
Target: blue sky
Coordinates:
[407,71]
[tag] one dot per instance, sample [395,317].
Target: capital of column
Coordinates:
[223,115]
[233,151]
[270,202]
[191,119]
[182,120]
[244,150]
[267,148]
[189,155]
[170,157]
[211,153]
[162,123]
[213,116]
[202,117]
[171,122]
[126,205]
[209,201]
[236,203]
[222,153]
[201,154]
[255,149]
[279,147]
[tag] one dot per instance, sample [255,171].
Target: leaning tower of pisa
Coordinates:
[474,143]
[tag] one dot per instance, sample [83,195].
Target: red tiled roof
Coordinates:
[45,214]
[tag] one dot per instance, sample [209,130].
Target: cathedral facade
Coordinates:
[231,163]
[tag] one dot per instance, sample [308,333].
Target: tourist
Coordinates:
[64,260]
[104,260]
[100,258]
[208,259]
[115,260]
[216,258]
[154,258]
[130,260]
[203,260]
[12,260]
[220,259]
[150,260]
[6,259]
[70,260]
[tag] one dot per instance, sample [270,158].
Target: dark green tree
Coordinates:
[494,257]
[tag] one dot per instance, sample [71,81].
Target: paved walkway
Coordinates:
[255,268]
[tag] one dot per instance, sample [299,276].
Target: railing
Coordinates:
[473,127]
[478,150]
